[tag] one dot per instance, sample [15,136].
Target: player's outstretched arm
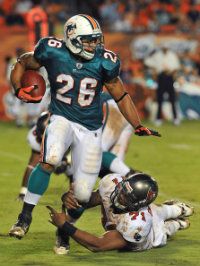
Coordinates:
[127,107]
[25,62]
[111,240]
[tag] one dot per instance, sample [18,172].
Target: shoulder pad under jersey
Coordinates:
[110,65]
[44,47]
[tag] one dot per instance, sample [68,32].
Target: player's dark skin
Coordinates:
[115,88]
[110,240]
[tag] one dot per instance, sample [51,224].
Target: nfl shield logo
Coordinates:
[79,65]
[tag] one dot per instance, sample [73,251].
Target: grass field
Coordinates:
[174,160]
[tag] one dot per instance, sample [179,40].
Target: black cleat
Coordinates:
[62,243]
[21,227]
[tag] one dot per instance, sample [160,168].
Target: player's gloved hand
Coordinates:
[144,131]
[24,94]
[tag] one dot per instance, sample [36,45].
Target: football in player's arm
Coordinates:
[131,220]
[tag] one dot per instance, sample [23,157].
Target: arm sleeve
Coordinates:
[111,68]
[40,52]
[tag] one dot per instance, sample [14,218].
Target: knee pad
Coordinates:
[82,191]
[91,161]
[53,159]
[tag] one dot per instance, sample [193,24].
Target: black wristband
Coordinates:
[118,100]
[139,126]
[69,229]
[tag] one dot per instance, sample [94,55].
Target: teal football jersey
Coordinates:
[76,84]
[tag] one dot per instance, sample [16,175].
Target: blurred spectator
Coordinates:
[109,12]
[37,22]
[126,72]
[15,107]
[188,86]
[16,12]
[165,63]
[116,15]
[193,13]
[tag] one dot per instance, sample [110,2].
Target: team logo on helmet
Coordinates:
[70,29]
[150,195]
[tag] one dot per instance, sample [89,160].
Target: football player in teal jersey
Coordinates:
[77,68]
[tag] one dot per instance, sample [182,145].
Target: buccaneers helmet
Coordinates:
[82,27]
[134,193]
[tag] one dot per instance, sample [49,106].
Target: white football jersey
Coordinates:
[143,229]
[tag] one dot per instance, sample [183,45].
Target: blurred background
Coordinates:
[156,40]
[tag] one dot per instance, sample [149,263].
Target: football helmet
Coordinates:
[82,27]
[134,193]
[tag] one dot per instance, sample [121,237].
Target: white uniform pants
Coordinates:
[86,151]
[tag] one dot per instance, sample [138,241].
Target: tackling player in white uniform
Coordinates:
[116,130]
[131,220]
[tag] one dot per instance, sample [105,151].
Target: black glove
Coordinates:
[144,131]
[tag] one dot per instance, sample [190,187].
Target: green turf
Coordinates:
[174,160]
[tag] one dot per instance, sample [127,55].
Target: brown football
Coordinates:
[32,77]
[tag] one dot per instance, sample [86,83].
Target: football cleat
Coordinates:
[62,243]
[184,223]
[21,227]
[186,210]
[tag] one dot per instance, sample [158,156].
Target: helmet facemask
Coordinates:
[134,193]
[115,199]
[78,30]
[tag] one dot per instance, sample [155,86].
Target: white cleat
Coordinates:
[186,210]
[184,223]
[59,250]
[62,243]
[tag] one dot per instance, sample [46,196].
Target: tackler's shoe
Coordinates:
[186,210]
[184,223]
[62,243]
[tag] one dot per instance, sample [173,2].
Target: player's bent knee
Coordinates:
[82,192]
[53,158]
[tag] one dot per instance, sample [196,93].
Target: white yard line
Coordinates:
[7,174]
[12,156]
[180,146]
